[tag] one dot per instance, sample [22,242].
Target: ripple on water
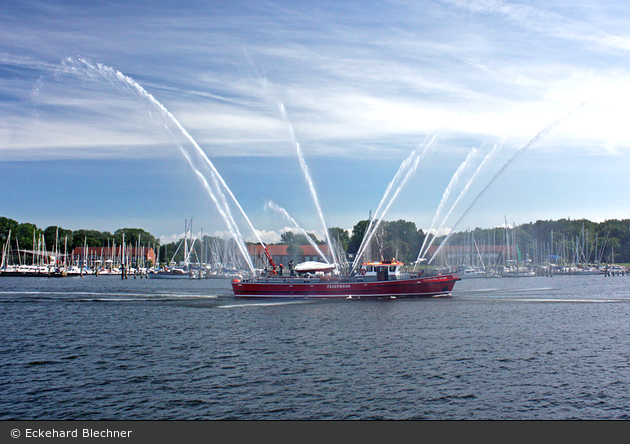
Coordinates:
[534,351]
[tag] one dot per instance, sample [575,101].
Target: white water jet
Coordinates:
[407,167]
[106,72]
[535,139]
[447,193]
[286,214]
[267,87]
[309,181]
[423,251]
[403,166]
[223,209]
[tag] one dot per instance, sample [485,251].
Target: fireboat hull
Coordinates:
[432,286]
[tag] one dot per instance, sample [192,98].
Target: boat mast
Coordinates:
[5,250]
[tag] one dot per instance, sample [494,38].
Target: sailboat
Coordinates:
[174,271]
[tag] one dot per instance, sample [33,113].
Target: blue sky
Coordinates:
[364,86]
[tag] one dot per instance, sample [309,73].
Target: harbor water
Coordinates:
[105,348]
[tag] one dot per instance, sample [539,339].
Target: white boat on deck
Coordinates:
[313,267]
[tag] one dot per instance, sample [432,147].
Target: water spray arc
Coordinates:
[423,251]
[520,151]
[309,181]
[406,169]
[197,159]
[285,213]
[307,175]
[446,195]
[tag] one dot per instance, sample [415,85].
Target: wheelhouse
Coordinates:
[383,271]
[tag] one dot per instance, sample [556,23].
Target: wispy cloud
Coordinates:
[359,82]
[344,80]
[542,19]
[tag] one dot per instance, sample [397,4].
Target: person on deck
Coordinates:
[291,272]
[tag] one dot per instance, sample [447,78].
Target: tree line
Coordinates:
[28,236]
[398,239]
[606,242]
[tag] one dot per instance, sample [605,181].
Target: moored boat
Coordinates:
[515,271]
[583,270]
[476,273]
[171,273]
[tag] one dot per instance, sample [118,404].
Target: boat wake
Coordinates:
[503,290]
[108,296]
[263,304]
[580,301]
[500,295]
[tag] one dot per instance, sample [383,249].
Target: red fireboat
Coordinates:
[374,280]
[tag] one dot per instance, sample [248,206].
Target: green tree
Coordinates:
[401,240]
[167,253]
[340,237]
[7,225]
[54,235]
[92,238]
[289,237]
[132,235]
[27,235]
[294,251]
[358,231]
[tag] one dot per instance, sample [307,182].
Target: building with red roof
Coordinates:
[282,254]
[99,256]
